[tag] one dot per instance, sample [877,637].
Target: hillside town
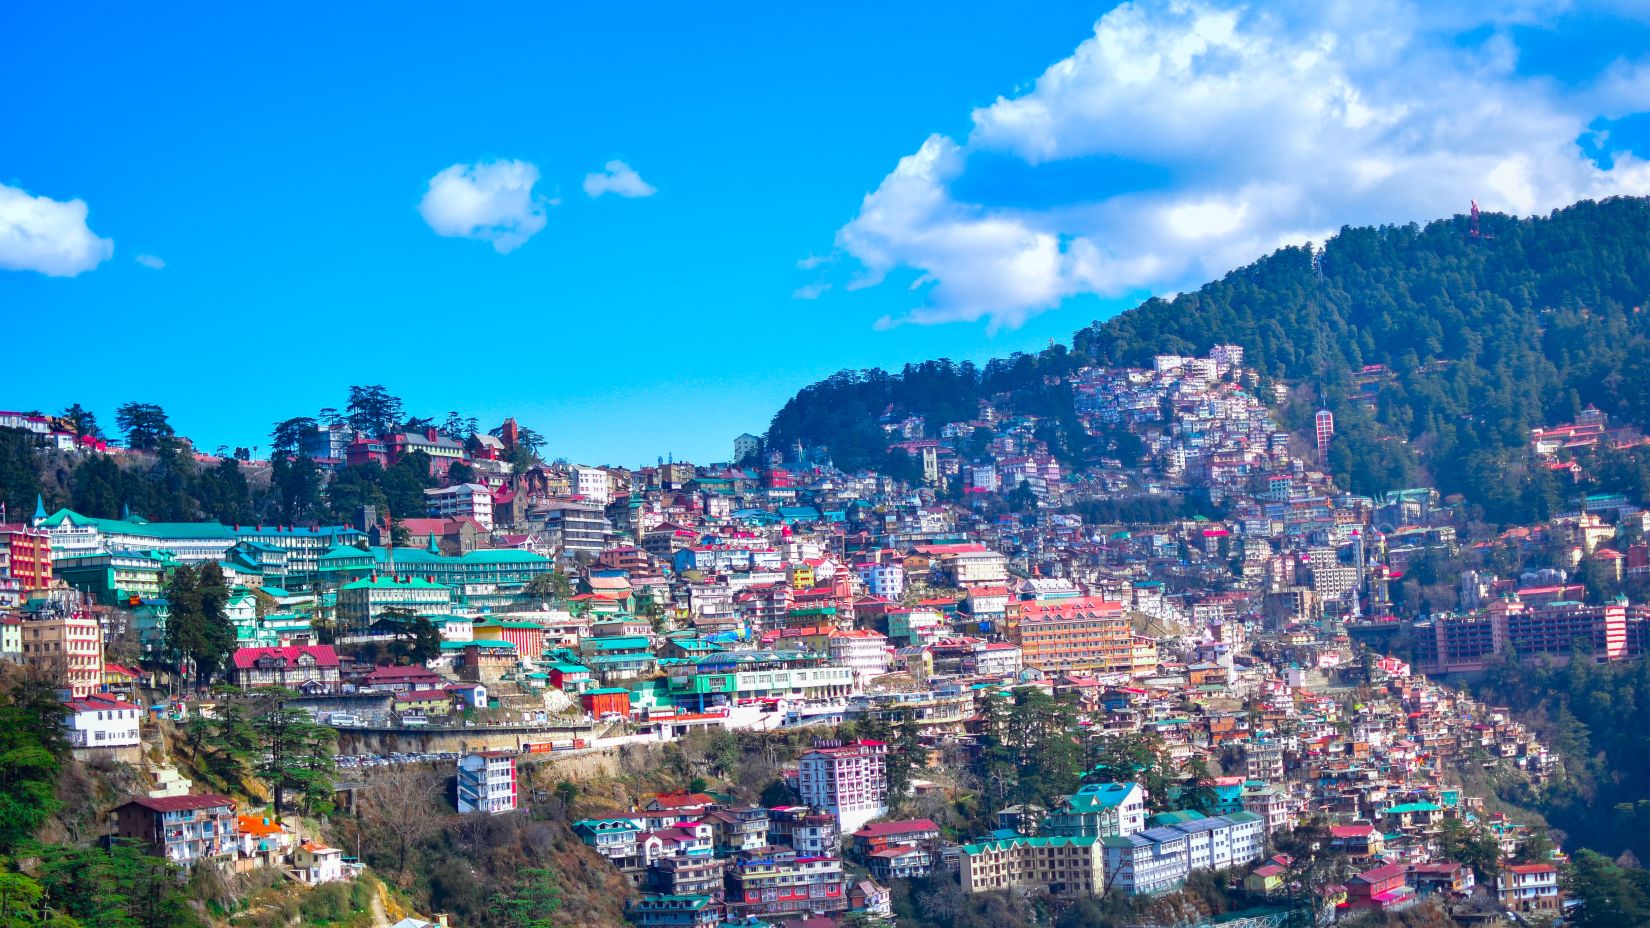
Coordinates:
[1253,630]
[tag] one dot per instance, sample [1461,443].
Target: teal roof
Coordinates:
[390,583]
[172,530]
[1414,807]
[1097,796]
[1012,843]
[343,552]
[624,642]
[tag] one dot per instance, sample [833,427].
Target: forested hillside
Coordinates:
[1483,336]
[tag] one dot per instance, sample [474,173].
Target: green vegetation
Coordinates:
[33,751]
[1481,339]
[261,736]
[1597,718]
[199,628]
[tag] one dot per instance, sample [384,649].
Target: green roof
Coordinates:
[1010,843]
[174,530]
[390,583]
[614,644]
[1414,807]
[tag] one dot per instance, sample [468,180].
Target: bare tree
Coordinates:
[400,808]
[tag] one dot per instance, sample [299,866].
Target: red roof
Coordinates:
[96,702]
[682,800]
[324,655]
[182,803]
[886,829]
[402,673]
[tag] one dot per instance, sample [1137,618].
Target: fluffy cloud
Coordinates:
[1187,137]
[151,262]
[619,178]
[46,235]
[491,200]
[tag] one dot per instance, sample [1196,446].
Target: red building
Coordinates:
[600,702]
[367,451]
[1384,889]
[31,554]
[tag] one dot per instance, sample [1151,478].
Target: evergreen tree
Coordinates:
[146,426]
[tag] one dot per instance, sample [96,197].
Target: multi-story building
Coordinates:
[1160,859]
[571,526]
[731,676]
[809,833]
[442,450]
[848,780]
[1061,866]
[487,782]
[182,829]
[188,542]
[613,838]
[882,580]
[688,876]
[305,668]
[673,912]
[67,638]
[102,722]
[776,881]
[1082,634]
[363,600]
[593,483]
[861,650]
[1099,810]
[464,501]
[116,578]
[28,551]
[1152,861]
[1529,888]
[11,638]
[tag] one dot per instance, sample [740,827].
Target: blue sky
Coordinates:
[268,166]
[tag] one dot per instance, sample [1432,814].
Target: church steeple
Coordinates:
[39,510]
[434,547]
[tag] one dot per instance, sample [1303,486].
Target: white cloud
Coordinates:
[811,291]
[46,235]
[1261,127]
[619,178]
[151,262]
[491,200]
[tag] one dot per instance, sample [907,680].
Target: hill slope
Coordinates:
[1483,337]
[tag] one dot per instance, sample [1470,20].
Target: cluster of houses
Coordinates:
[780,591]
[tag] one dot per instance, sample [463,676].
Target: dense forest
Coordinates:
[1482,337]
[1597,719]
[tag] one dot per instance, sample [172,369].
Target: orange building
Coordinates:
[70,639]
[1080,634]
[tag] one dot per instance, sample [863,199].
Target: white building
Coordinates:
[1160,859]
[848,781]
[464,501]
[884,581]
[487,782]
[315,863]
[102,722]
[861,650]
[994,659]
[593,484]
[1152,861]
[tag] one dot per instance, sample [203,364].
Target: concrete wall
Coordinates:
[436,740]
